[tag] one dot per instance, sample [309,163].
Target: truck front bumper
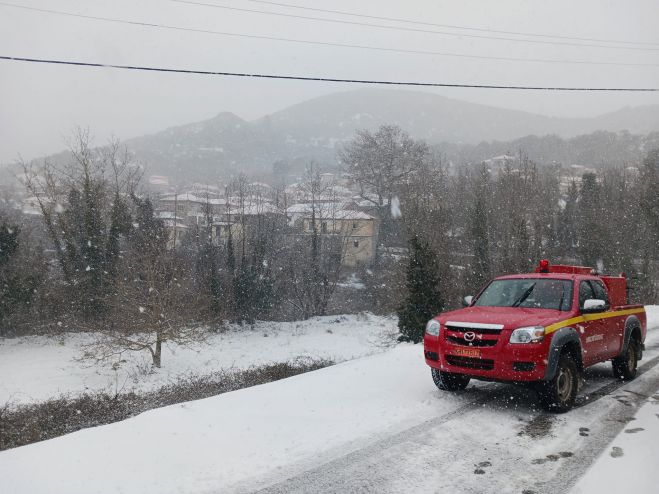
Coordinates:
[502,362]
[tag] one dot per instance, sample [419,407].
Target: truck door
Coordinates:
[592,330]
[612,327]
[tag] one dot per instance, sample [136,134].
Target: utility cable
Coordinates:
[449,26]
[417,30]
[322,43]
[321,79]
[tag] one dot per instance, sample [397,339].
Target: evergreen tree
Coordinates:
[424,300]
[231,256]
[650,193]
[568,223]
[592,236]
[17,284]
[85,217]
[208,275]
[479,234]
[148,235]
[253,291]
[120,224]
[8,242]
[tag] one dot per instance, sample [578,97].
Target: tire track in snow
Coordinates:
[299,483]
[358,472]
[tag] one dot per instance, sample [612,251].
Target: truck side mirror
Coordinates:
[594,305]
[466,302]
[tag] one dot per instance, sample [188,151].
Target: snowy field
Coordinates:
[41,367]
[373,424]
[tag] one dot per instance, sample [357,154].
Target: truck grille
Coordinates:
[459,340]
[483,337]
[470,363]
[459,329]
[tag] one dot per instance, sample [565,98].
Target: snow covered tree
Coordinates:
[380,163]
[424,300]
[85,214]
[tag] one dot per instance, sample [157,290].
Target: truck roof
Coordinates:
[553,276]
[616,285]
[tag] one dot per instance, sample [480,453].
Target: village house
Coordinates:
[191,209]
[358,232]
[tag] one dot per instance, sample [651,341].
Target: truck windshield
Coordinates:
[540,293]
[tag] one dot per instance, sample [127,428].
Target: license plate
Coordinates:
[466,352]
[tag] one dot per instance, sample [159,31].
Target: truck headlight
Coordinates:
[532,334]
[432,328]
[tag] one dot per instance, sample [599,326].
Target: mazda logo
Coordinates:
[470,336]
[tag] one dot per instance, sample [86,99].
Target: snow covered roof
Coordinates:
[253,209]
[326,208]
[342,214]
[158,180]
[170,224]
[165,215]
[188,197]
[503,157]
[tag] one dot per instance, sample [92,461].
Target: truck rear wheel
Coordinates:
[447,381]
[559,394]
[625,366]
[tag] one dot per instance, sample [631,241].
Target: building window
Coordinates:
[323,227]
[356,243]
[354,226]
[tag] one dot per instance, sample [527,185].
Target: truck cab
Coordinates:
[543,328]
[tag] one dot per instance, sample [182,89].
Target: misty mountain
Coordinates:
[311,130]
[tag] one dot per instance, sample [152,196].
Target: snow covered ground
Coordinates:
[373,424]
[630,462]
[635,451]
[38,368]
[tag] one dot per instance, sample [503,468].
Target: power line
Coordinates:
[450,26]
[319,79]
[417,30]
[321,43]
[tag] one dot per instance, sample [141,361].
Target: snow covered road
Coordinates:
[498,443]
[376,424]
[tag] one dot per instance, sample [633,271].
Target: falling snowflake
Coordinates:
[395,208]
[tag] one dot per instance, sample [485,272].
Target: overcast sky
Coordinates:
[41,104]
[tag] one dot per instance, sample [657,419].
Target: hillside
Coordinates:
[311,130]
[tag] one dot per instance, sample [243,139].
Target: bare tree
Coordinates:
[314,258]
[380,163]
[155,299]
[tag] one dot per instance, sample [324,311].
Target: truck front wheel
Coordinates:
[625,366]
[558,394]
[447,381]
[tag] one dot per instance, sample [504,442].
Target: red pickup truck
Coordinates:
[541,328]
